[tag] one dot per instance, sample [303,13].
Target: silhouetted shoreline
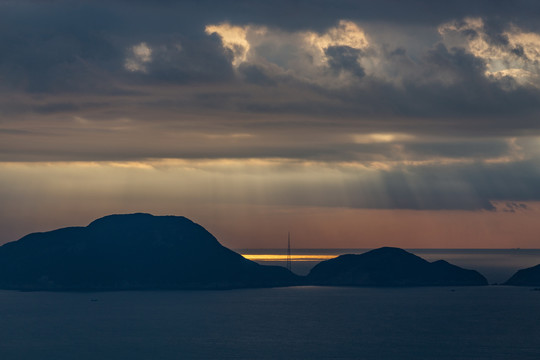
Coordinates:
[146,252]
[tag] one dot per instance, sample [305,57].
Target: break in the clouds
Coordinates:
[439,102]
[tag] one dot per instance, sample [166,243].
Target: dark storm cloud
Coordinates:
[459,149]
[46,48]
[64,47]
[187,61]
[494,33]
[254,74]
[302,14]
[297,80]
[344,58]
[81,47]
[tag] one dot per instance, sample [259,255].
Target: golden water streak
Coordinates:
[273,257]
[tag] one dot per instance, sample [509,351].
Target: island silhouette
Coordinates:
[130,252]
[146,252]
[389,266]
[525,277]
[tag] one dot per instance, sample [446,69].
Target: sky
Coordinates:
[351,124]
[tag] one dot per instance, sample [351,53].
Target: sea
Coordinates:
[306,322]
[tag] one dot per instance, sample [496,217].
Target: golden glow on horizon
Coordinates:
[273,257]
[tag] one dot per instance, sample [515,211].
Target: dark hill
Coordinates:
[390,267]
[526,277]
[135,251]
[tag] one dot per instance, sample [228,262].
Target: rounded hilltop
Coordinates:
[131,251]
[389,266]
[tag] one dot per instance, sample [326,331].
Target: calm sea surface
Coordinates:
[491,322]
[497,265]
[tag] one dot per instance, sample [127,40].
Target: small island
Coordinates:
[388,266]
[525,277]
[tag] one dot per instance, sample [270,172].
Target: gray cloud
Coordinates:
[345,81]
[344,58]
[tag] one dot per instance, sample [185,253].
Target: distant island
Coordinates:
[525,277]
[388,266]
[145,252]
[130,252]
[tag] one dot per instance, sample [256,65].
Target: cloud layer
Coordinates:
[441,102]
